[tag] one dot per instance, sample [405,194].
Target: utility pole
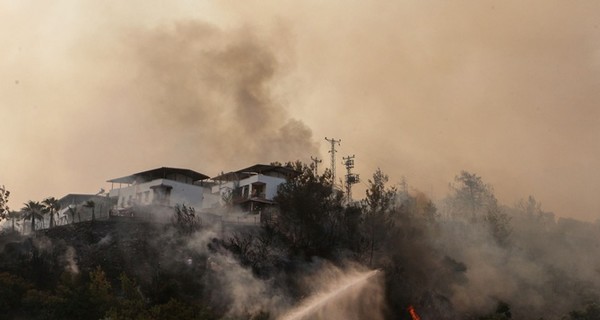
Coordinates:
[351,178]
[333,141]
[316,162]
[404,185]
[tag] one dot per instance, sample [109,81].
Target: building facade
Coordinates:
[162,187]
[251,189]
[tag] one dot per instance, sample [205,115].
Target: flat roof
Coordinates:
[159,173]
[256,169]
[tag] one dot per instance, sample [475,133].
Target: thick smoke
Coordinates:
[457,267]
[239,292]
[501,88]
[332,292]
[505,88]
[210,92]
[183,93]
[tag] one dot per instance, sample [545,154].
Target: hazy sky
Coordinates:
[507,89]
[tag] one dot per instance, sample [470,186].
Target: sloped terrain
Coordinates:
[151,258]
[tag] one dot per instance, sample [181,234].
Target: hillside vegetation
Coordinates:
[465,257]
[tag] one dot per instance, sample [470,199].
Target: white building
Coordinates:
[164,187]
[253,188]
[73,208]
[235,197]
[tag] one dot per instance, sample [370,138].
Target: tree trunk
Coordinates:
[372,249]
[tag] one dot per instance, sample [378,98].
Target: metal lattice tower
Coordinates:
[333,141]
[351,178]
[316,162]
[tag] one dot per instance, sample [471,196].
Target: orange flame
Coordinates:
[413,313]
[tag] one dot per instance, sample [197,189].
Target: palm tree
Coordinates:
[72,210]
[32,210]
[52,206]
[3,200]
[91,204]
[14,215]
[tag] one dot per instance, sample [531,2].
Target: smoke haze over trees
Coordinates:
[506,90]
[467,257]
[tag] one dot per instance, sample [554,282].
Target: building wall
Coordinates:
[211,201]
[271,184]
[143,194]
[180,178]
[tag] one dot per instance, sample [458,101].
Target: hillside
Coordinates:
[37,270]
[466,257]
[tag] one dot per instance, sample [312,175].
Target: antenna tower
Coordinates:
[316,162]
[351,178]
[333,141]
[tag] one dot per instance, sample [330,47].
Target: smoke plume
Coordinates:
[210,91]
[184,93]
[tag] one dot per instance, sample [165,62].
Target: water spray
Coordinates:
[316,302]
